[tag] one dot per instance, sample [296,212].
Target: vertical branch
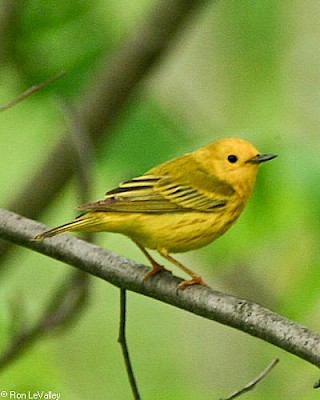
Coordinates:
[123,343]
[83,150]
[69,297]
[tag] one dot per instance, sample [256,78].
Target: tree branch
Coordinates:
[28,92]
[208,303]
[251,385]
[122,339]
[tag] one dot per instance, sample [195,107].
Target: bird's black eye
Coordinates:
[233,159]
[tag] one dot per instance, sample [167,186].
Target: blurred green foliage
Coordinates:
[248,69]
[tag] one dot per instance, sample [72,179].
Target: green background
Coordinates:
[248,69]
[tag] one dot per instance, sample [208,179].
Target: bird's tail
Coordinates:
[79,224]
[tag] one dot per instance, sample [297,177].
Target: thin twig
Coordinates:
[123,343]
[226,309]
[251,385]
[30,91]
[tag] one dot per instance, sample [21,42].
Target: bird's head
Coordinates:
[234,161]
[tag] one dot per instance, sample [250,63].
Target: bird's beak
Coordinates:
[260,158]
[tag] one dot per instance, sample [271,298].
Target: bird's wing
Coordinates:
[158,194]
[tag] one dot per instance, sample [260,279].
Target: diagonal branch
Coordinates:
[251,385]
[208,303]
[28,92]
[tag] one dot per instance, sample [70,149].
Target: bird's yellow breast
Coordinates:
[176,232]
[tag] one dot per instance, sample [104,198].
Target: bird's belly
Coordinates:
[178,232]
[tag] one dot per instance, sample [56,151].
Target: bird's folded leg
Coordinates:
[195,279]
[156,267]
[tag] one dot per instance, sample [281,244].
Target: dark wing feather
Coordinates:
[156,194]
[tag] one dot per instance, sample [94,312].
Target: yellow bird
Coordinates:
[177,206]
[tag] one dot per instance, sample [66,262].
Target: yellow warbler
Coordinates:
[177,206]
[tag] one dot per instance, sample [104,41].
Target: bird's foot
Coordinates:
[195,280]
[155,269]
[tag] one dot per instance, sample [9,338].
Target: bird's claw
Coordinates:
[195,280]
[156,268]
